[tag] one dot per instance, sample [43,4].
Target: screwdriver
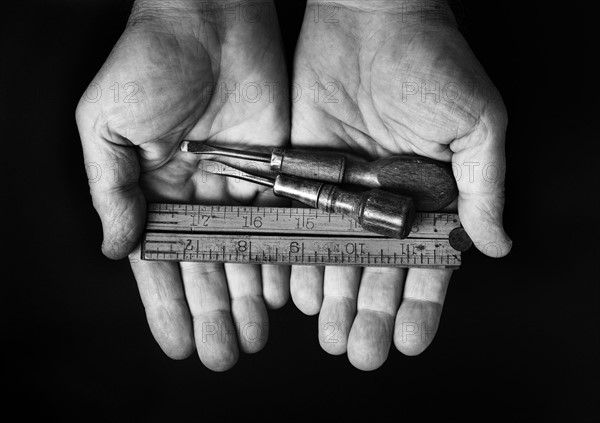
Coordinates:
[377,211]
[429,182]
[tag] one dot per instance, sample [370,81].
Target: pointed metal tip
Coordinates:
[201,147]
[219,168]
[196,147]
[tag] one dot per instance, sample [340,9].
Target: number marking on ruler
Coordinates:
[274,235]
[206,219]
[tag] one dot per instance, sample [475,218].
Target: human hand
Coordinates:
[385,77]
[182,70]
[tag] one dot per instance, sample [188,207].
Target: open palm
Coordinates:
[378,83]
[186,75]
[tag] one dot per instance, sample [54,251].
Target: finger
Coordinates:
[306,288]
[275,278]
[247,305]
[479,166]
[378,300]
[419,314]
[161,291]
[340,291]
[206,293]
[113,172]
[275,285]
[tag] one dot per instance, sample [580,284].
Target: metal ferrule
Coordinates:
[303,190]
[334,200]
[277,159]
[317,165]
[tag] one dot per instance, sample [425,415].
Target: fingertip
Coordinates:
[306,288]
[276,285]
[123,221]
[216,342]
[222,362]
[496,247]
[416,326]
[179,350]
[369,341]
[306,302]
[485,228]
[120,248]
[170,325]
[275,301]
[117,250]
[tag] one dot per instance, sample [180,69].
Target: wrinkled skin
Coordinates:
[394,80]
[179,65]
[168,79]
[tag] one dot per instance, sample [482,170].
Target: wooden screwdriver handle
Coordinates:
[429,182]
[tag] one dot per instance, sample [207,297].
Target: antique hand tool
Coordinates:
[377,211]
[428,182]
[278,235]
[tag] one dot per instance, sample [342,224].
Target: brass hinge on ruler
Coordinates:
[299,236]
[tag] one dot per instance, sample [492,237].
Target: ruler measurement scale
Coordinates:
[178,218]
[287,250]
[291,236]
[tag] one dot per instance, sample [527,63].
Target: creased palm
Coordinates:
[188,76]
[394,83]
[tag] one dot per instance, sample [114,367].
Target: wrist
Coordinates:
[215,11]
[382,5]
[408,11]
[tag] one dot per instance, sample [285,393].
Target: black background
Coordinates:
[518,337]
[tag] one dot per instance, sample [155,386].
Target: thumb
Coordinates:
[113,171]
[479,167]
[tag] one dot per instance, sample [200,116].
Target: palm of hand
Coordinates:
[389,88]
[205,82]
[386,89]
[393,91]
[192,87]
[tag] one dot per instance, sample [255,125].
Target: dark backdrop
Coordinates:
[519,336]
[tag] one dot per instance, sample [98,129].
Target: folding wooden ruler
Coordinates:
[298,236]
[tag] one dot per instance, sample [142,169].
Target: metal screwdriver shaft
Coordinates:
[209,150]
[225,170]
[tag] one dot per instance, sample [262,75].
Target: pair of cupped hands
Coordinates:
[373,78]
